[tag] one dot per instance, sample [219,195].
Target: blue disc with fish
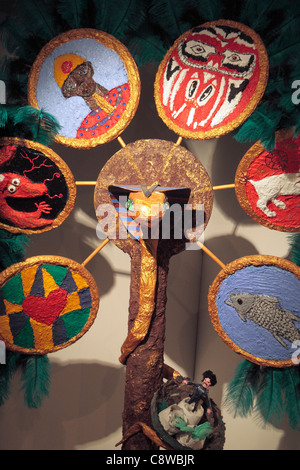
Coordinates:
[254,305]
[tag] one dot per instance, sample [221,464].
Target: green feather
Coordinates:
[39,18]
[242,389]
[35,379]
[269,404]
[42,125]
[12,248]
[291,379]
[6,372]
[118,17]
[294,241]
[261,125]
[72,11]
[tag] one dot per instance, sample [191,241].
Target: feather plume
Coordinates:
[291,377]
[242,389]
[6,372]
[72,11]
[35,379]
[43,126]
[269,404]
[294,241]
[12,248]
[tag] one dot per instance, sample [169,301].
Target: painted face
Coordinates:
[206,382]
[80,81]
[210,77]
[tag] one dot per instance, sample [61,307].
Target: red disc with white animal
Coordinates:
[38,190]
[211,79]
[267,183]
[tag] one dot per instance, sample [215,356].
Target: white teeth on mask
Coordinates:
[210,63]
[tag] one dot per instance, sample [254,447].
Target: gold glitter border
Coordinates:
[241,180]
[231,268]
[66,172]
[131,69]
[14,269]
[253,103]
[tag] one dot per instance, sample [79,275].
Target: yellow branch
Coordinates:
[95,252]
[209,253]
[224,186]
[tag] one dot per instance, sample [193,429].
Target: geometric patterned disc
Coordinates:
[89,82]
[46,304]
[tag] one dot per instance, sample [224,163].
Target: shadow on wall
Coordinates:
[227,156]
[84,406]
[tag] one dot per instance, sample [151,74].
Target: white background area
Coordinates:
[84,410]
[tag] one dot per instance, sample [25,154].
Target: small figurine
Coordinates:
[201,392]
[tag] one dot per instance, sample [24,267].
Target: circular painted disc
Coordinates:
[211,79]
[267,184]
[38,190]
[255,308]
[176,171]
[89,82]
[46,304]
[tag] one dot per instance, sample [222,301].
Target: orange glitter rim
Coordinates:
[131,69]
[241,180]
[66,173]
[35,261]
[253,102]
[231,268]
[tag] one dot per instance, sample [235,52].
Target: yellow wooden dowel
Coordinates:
[85,183]
[91,256]
[224,186]
[209,253]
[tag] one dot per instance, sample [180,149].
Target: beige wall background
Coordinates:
[84,410]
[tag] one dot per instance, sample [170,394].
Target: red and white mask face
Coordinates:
[210,77]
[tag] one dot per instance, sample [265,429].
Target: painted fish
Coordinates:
[266,312]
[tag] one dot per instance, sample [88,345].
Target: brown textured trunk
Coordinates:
[144,366]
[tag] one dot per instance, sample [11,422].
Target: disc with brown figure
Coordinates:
[89,82]
[151,198]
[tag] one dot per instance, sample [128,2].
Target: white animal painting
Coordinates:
[270,188]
